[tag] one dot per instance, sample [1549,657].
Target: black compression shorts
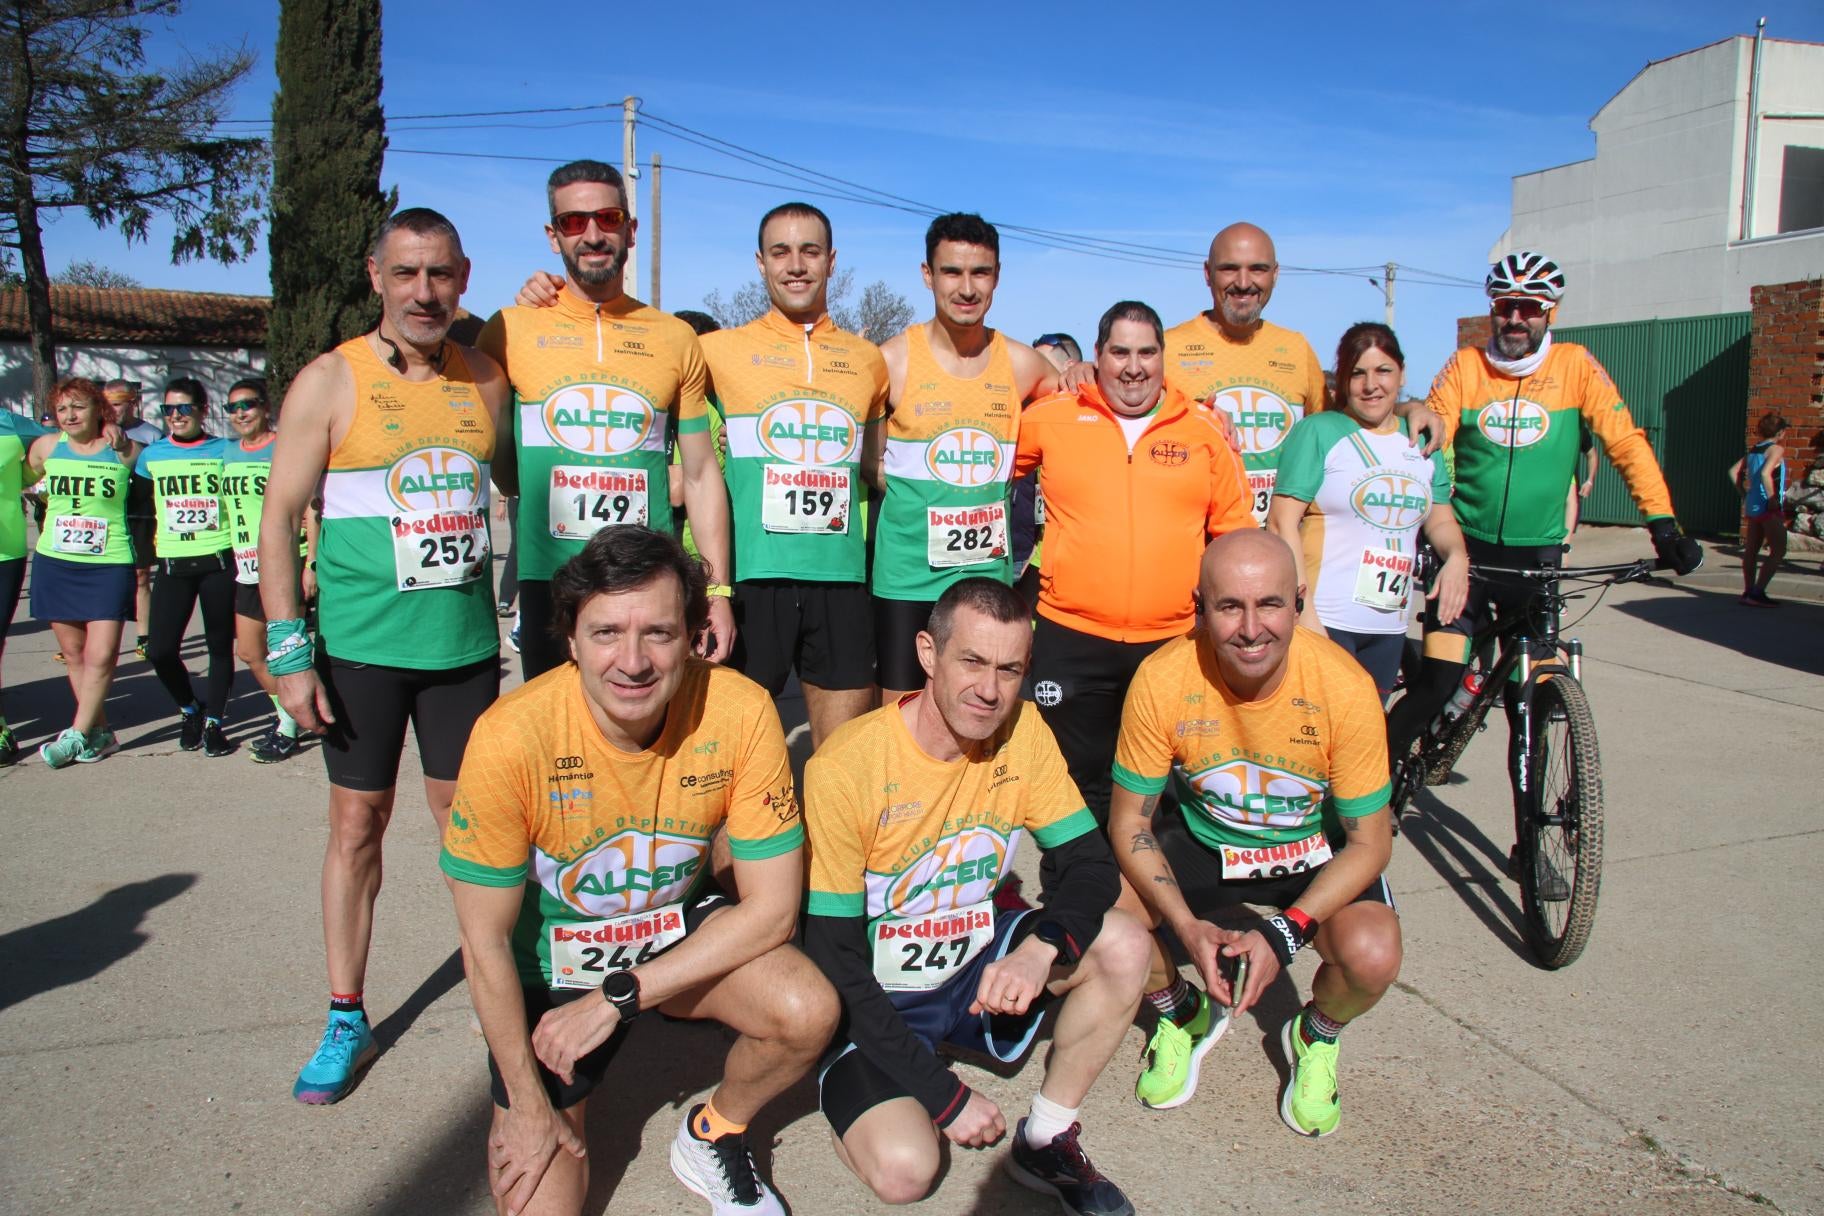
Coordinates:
[373,704]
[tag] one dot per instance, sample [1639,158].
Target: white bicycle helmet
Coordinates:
[1526,273]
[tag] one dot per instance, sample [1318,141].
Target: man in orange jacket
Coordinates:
[1136,479]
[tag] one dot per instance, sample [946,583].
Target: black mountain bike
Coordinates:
[1557,776]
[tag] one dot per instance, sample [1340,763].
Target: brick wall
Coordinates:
[1472,331]
[1786,372]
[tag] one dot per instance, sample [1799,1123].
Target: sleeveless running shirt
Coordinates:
[796,400]
[85,512]
[594,391]
[186,482]
[1757,501]
[16,435]
[1369,492]
[949,452]
[402,561]
[1265,385]
[244,474]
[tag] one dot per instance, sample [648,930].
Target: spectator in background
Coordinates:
[1061,349]
[124,399]
[1760,476]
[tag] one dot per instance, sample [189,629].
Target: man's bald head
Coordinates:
[1249,590]
[1242,269]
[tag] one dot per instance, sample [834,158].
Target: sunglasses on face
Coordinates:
[575,223]
[244,405]
[1527,307]
[180,407]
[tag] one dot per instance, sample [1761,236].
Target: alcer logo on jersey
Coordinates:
[1262,417]
[1516,422]
[434,479]
[628,871]
[958,870]
[599,419]
[1254,796]
[809,432]
[1392,502]
[965,456]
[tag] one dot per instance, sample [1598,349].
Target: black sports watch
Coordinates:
[622,990]
[1052,934]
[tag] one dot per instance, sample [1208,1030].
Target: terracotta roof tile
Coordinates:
[143,315]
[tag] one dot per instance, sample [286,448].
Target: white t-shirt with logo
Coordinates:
[1369,492]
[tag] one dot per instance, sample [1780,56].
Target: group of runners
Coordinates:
[1175,731]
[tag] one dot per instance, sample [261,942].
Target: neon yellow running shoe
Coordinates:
[1309,1105]
[1175,1055]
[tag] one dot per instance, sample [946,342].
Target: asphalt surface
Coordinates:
[161,981]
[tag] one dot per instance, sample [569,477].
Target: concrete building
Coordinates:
[1659,223]
[141,334]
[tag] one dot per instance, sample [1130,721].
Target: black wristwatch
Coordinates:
[622,990]
[1052,934]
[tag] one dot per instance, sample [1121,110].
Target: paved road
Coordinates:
[161,981]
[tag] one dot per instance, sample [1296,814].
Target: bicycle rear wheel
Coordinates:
[1561,835]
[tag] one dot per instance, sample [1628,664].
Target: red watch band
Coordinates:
[1306,926]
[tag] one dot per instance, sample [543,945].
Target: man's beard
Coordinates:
[1518,346]
[595,278]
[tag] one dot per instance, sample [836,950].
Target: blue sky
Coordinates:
[1353,142]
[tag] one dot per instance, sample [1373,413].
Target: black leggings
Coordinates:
[178,585]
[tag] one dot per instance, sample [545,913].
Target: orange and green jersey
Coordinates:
[85,506]
[1263,773]
[602,838]
[1368,494]
[595,390]
[1265,385]
[896,835]
[16,435]
[402,558]
[797,401]
[1516,442]
[949,451]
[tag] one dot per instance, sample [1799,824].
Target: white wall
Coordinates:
[1649,226]
[217,367]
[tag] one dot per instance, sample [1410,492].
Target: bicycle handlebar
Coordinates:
[1617,572]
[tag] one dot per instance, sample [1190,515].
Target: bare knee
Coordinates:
[901,1172]
[356,827]
[1122,951]
[1370,954]
[803,1014]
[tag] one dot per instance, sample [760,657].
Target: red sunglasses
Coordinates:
[575,223]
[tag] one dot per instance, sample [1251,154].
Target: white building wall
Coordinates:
[1650,226]
[216,366]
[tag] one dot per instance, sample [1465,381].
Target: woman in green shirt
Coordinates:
[82,572]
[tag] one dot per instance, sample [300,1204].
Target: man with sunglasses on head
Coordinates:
[598,380]
[955,391]
[394,430]
[1511,411]
[195,563]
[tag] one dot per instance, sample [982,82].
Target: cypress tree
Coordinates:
[328,141]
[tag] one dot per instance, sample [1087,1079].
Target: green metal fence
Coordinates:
[1686,382]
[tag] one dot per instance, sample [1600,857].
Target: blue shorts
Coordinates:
[850,1084]
[63,590]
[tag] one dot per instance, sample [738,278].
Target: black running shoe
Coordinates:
[1063,1169]
[192,736]
[215,743]
[272,747]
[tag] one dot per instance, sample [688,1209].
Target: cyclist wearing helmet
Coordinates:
[1511,410]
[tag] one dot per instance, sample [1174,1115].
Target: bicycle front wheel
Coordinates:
[1561,845]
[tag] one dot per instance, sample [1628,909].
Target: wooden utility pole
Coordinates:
[1387,287]
[656,164]
[630,171]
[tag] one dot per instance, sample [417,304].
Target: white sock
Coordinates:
[1046,1120]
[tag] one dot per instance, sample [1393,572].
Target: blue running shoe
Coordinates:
[348,1046]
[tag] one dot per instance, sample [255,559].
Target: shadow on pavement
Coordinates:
[394,1025]
[663,1064]
[83,944]
[1473,865]
[1790,635]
